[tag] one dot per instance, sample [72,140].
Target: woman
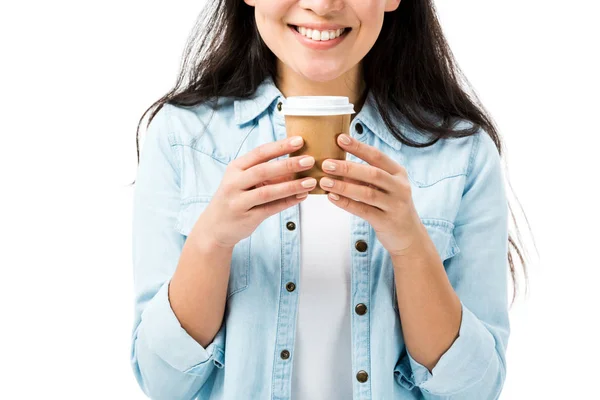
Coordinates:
[394,286]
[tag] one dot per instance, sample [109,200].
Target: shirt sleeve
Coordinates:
[167,362]
[474,367]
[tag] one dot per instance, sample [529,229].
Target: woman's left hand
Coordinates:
[384,194]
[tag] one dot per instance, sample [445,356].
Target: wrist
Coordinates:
[422,251]
[208,243]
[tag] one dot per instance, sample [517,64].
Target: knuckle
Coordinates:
[290,165]
[346,168]
[260,152]
[404,173]
[232,166]
[407,188]
[377,156]
[370,193]
[227,186]
[261,173]
[263,193]
[374,174]
[234,204]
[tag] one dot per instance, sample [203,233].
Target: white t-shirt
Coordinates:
[322,353]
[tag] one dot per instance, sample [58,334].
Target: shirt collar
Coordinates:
[246,109]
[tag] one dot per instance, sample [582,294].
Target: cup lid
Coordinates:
[317,105]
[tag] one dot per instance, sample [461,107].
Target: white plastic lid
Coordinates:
[317,105]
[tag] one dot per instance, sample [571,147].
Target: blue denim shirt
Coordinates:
[458,190]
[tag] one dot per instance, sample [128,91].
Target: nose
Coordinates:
[323,7]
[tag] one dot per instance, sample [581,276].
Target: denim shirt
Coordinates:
[458,191]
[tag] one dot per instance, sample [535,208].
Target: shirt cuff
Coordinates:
[162,333]
[462,365]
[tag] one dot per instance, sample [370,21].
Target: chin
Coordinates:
[314,73]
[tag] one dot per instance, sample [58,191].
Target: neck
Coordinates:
[350,84]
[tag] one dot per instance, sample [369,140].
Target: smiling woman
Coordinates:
[393,288]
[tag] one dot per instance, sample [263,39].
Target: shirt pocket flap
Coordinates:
[441,233]
[189,213]
[240,260]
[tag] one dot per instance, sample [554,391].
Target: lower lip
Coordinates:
[319,45]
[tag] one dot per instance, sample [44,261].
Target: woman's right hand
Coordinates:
[252,190]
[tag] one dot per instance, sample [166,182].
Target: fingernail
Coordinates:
[344,139]
[307,161]
[334,196]
[326,182]
[309,183]
[296,141]
[328,165]
[301,195]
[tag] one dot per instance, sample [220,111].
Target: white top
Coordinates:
[322,353]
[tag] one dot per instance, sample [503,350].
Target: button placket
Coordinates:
[361,284]
[288,302]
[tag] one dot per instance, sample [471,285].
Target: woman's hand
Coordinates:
[254,189]
[383,192]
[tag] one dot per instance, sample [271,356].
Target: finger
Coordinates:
[356,182]
[279,179]
[364,194]
[269,193]
[280,168]
[360,172]
[370,154]
[274,207]
[266,152]
[360,209]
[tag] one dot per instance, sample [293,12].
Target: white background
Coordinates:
[76,76]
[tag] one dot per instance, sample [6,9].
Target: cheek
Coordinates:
[270,16]
[369,30]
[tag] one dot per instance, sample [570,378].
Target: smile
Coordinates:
[319,40]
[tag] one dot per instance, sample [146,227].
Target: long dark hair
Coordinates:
[225,56]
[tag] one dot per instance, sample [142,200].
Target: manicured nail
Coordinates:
[301,195]
[307,161]
[344,139]
[326,182]
[296,141]
[328,165]
[309,183]
[334,196]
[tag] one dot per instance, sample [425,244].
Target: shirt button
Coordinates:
[360,309]
[358,127]
[291,226]
[361,246]
[279,106]
[290,286]
[362,376]
[285,354]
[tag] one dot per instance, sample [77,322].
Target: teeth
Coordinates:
[318,35]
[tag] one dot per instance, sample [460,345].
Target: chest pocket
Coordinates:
[442,236]
[240,260]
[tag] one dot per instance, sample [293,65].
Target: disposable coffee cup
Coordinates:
[319,120]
